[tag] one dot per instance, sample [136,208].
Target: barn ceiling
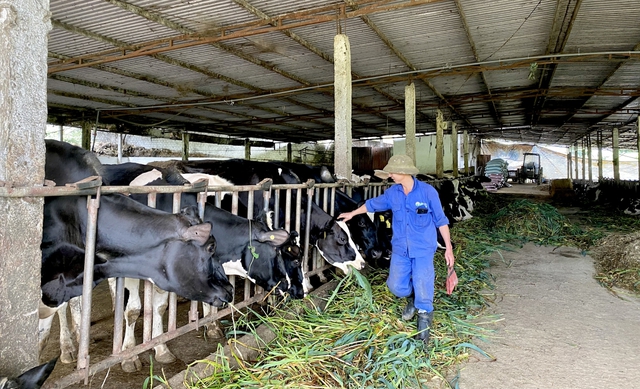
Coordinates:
[540,71]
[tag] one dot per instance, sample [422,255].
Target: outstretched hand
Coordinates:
[345,217]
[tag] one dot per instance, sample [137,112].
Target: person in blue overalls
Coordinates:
[417,212]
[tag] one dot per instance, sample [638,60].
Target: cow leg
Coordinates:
[131,314]
[160,303]
[68,349]
[46,315]
[213,329]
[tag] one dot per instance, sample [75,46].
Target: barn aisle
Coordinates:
[560,328]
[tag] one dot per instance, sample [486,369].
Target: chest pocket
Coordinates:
[421,216]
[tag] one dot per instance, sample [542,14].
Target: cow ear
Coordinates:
[198,233]
[273,237]
[191,212]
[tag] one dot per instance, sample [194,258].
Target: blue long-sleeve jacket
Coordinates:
[415,217]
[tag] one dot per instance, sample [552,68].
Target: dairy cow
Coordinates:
[174,251]
[330,236]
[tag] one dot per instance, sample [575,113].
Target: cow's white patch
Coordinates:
[371,215]
[145,178]
[213,180]
[357,263]
[279,171]
[235,268]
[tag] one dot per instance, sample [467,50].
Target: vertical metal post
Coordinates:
[173,298]
[118,318]
[575,153]
[616,155]
[465,150]
[87,283]
[569,170]
[600,162]
[454,148]
[440,127]
[583,160]
[589,159]
[147,324]
[119,148]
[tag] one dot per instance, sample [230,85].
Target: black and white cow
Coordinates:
[247,248]
[330,236]
[132,240]
[361,227]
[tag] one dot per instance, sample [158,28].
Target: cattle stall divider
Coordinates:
[93,189]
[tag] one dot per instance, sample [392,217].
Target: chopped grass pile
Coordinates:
[541,223]
[617,259]
[358,339]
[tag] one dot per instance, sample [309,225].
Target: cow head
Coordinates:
[292,257]
[191,271]
[31,379]
[365,236]
[338,248]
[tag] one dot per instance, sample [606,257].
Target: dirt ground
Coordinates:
[558,327]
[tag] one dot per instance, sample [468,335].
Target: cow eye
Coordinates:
[361,223]
[211,248]
[296,263]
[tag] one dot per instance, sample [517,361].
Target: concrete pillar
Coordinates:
[289,152]
[86,135]
[24,25]
[120,140]
[616,155]
[600,166]
[589,159]
[410,121]
[454,148]
[569,162]
[185,146]
[61,133]
[575,154]
[247,149]
[465,150]
[342,98]
[584,155]
[441,125]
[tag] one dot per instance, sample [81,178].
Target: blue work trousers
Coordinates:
[413,275]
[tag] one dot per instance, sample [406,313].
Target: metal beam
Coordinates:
[324,14]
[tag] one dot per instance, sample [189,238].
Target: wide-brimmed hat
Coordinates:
[398,164]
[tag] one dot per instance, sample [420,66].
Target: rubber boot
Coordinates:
[409,310]
[424,323]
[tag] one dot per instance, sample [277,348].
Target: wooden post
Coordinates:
[638,142]
[441,125]
[342,102]
[86,135]
[454,148]
[410,121]
[247,149]
[465,150]
[616,155]
[289,152]
[24,25]
[61,133]
[600,166]
[185,146]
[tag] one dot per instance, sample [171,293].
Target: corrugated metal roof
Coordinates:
[513,86]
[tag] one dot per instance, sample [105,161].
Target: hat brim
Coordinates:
[381,174]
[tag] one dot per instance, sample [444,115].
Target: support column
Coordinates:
[441,125]
[600,166]
[575,154]
[616,155]
[342,95]
[24,25]
[289,152]
[465,150]
[638,140]
[410,121]
[120,140]
[247,149]
[569,162]
[584,156]
[61,133]
[589,159]
[185,146]
[86,135]
[454,148]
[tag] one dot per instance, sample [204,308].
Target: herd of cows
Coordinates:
[192,253]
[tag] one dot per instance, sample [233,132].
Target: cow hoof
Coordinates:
[68,356]
[131,365]
[165,357]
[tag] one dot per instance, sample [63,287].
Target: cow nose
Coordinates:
[376,254]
